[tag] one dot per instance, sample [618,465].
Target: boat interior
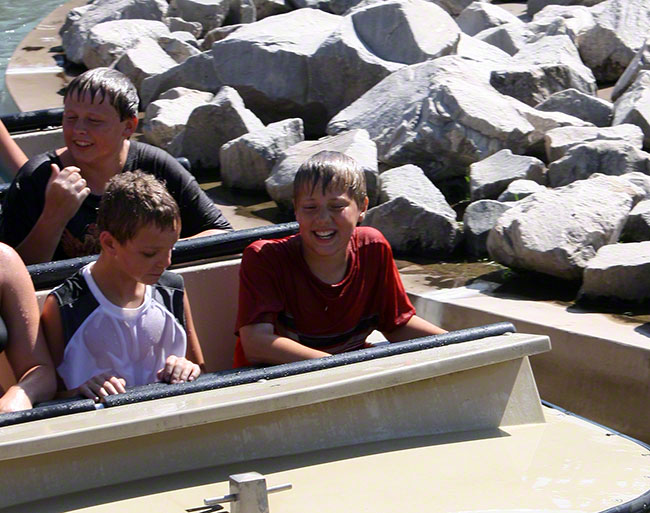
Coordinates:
[440,429]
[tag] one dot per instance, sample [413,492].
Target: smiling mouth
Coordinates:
[83,144]
[325,235]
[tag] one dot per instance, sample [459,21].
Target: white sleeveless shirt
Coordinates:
[130,343]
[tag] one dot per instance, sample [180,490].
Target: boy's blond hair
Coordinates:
[134,199]
[333,170]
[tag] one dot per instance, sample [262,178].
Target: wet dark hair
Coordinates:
[333,170]
[109,84]
[132,200]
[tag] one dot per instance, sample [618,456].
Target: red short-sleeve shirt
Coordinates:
[277,286]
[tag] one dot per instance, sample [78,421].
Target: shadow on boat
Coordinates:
[267,466]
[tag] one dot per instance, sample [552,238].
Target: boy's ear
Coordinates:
[108,242]
[363,209]
[129,127]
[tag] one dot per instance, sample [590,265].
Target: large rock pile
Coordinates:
[438,100]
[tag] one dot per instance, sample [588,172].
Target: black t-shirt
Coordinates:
[25,200]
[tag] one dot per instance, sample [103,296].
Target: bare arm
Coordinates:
[10,153]
[27,351]
[262,345]
[178,369]
[416,327]
[66,191]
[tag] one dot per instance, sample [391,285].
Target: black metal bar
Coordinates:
[49,274]
[234,377]
[47,411]
[33,120]
[249,375]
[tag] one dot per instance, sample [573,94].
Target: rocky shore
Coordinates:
[480,132]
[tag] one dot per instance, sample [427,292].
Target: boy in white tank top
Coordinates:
[123,320]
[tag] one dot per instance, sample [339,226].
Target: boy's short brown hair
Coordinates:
[134,199]
[111,86]
[333,170]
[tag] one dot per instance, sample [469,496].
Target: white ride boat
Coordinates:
[435,425]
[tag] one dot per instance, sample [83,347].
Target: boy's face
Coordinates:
[93,131]
[145,256]
[326,221]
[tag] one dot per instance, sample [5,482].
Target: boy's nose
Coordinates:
[166,259]
[79,125]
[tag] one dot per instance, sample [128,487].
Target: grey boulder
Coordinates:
[637,227]
[355,144]
[443,115]
[607,157]
[546,66]
[491,176]
[108,41]
[165,118]
[520,189]
[80,20]
[586,215]
[212,125]
[580,105]
[247,161]
[413,214]
[633,106]
[144,59]
[480,16]
[618,272]
[479,218]
[620,29]
[558,141]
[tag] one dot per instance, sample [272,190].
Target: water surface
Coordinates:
[17,18]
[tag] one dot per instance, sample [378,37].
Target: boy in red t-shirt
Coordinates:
[324,290]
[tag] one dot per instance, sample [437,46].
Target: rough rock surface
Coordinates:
[144,59]
[413,214]
[217,34]
[247,161]
[212,125]
[509,37]
[640,62]
[606,157]
[633,106]
[476,50]
[355,144]
[559,140]
[491,176]
[479,16]
[80,20]
[637,228]
[619,272]
[621,28]
[177,48]
[587,215]
[209,14]
[479,218]
[534,6]
[580,105]
[541,68]
[520,189]
[266,8]
[108,41]
[176,24]
[443,115]
[165,118]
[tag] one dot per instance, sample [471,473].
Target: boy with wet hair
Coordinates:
[50,210]
[124,320]
[324,290]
